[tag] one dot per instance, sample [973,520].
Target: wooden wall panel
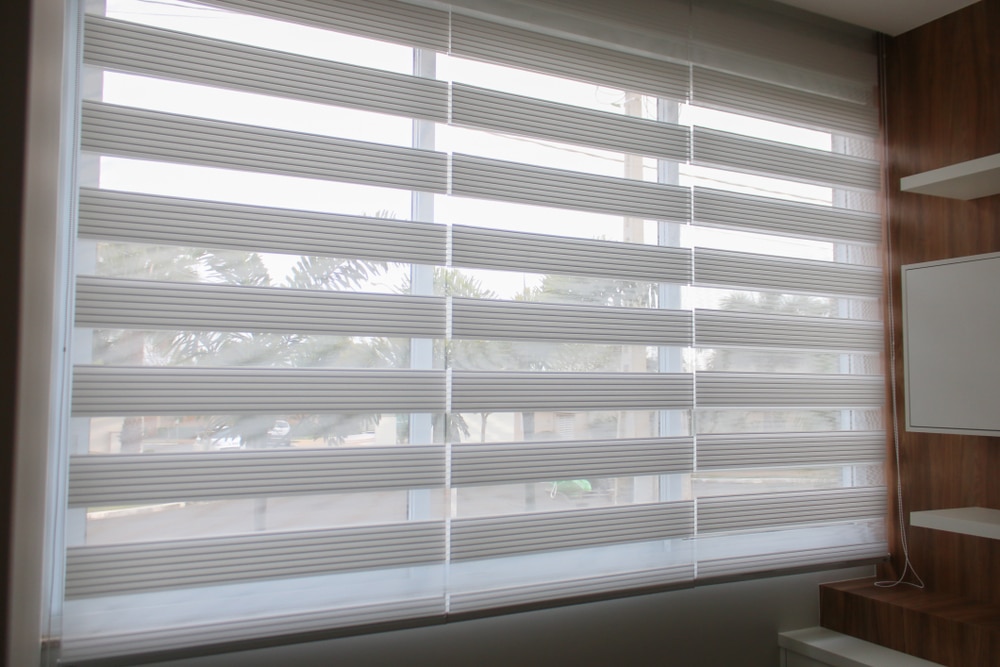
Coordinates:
[942,99]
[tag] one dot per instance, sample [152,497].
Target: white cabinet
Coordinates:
[951,345]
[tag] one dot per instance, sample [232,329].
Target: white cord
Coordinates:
[907,565]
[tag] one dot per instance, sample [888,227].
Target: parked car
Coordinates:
[243,435]
[222,438]
[278,434]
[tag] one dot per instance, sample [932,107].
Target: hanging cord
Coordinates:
[907,565]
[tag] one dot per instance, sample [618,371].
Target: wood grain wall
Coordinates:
[942,98]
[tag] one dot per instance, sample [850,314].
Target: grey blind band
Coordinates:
[541,253]
[141,304]
[153,135]
[126,47]
[507,463]
[494,42]
[157,478]
[485,109]
[100,570]
[544,186]
[402,23]
[122,216]
[114,391]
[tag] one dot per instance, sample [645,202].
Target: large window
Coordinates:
[386,311]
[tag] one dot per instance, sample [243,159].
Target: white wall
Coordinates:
[725,625]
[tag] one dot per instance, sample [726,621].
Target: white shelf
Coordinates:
[978,521]
[965,180]
[826,647]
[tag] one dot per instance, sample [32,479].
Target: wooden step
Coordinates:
[948,629]
[826,647]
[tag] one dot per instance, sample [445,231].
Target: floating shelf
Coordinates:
[965,180]
[978,521]
[826,647]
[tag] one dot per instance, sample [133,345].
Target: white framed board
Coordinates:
[951,345]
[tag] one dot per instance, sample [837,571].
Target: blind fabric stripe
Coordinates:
[721,328]
[474,391]
[507,463]
[780,509]
[732,210]
[725,268]
[728,92]
[547,590]
[792,558]
[496,536]
[503,112]
[540,253]
[125,47]
[120,216]
[114,391]
[715,148]
[497,43]
[154,135]
[206,634]
[544,186]
[721,451]
[399,22]
[771,390]
[146,304]
[100,570]
[151,478]
[512,320]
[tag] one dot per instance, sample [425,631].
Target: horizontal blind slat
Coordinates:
[751,271]
[492,537]
[122,391]
[787,559]
[388,20]
[574,587]
[736,94]
[487,178]
[153,135]
[145,304]
[513,320]
[127,47]
[83,647]
[727,513]
[774,390]
[733,210]
[721,451]
[121,216]
[725,150]
[725,328]
[104,570]
[477,247]
[143,478]
[508,463]
[487,109]
[496,43]
[474,391]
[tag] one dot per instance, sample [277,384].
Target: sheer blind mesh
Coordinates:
[385,311]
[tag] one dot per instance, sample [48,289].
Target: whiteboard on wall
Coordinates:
[951,345]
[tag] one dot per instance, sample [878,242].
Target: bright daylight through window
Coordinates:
[390,311]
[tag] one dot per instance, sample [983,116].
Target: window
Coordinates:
[385,311]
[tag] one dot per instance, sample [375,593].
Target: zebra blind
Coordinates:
[385,312]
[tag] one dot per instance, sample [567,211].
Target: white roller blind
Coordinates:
[391,311]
